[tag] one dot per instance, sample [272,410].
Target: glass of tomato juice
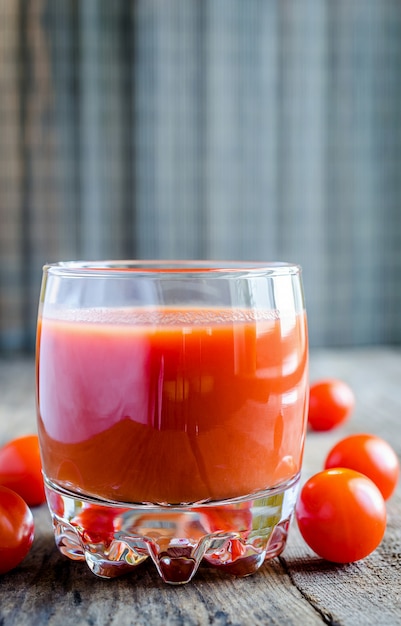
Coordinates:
[172,408]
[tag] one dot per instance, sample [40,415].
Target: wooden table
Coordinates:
[297,588]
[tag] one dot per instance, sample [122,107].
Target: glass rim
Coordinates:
[160,267]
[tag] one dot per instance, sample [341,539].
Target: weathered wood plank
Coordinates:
[297,588]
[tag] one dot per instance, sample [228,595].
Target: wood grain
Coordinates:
[298,588]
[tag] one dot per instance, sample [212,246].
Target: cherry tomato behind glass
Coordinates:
[331,402]
[21,469]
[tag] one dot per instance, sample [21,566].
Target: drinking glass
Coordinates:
[172,409]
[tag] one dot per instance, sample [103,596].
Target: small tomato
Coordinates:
[16,529]
[369,455]
[331,402]
[21,469]
[341,515]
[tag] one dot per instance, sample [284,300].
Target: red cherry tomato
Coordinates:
[331,402]
[21,469]
[369,455]
[341,515]
[16,529]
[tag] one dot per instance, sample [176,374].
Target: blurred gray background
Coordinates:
[236,129]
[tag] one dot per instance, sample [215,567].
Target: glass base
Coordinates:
[236,536]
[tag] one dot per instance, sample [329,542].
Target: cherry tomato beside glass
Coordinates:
[341,515]
[21,469]
[331,402]
[16,529]
[369,455]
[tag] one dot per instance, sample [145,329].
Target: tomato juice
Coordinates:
[168,406]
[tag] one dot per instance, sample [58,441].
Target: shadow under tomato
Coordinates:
[314,564]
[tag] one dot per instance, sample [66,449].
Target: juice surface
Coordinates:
[187,407]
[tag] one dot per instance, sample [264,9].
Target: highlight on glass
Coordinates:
[172,410]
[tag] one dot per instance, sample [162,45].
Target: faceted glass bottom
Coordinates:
[236,536]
